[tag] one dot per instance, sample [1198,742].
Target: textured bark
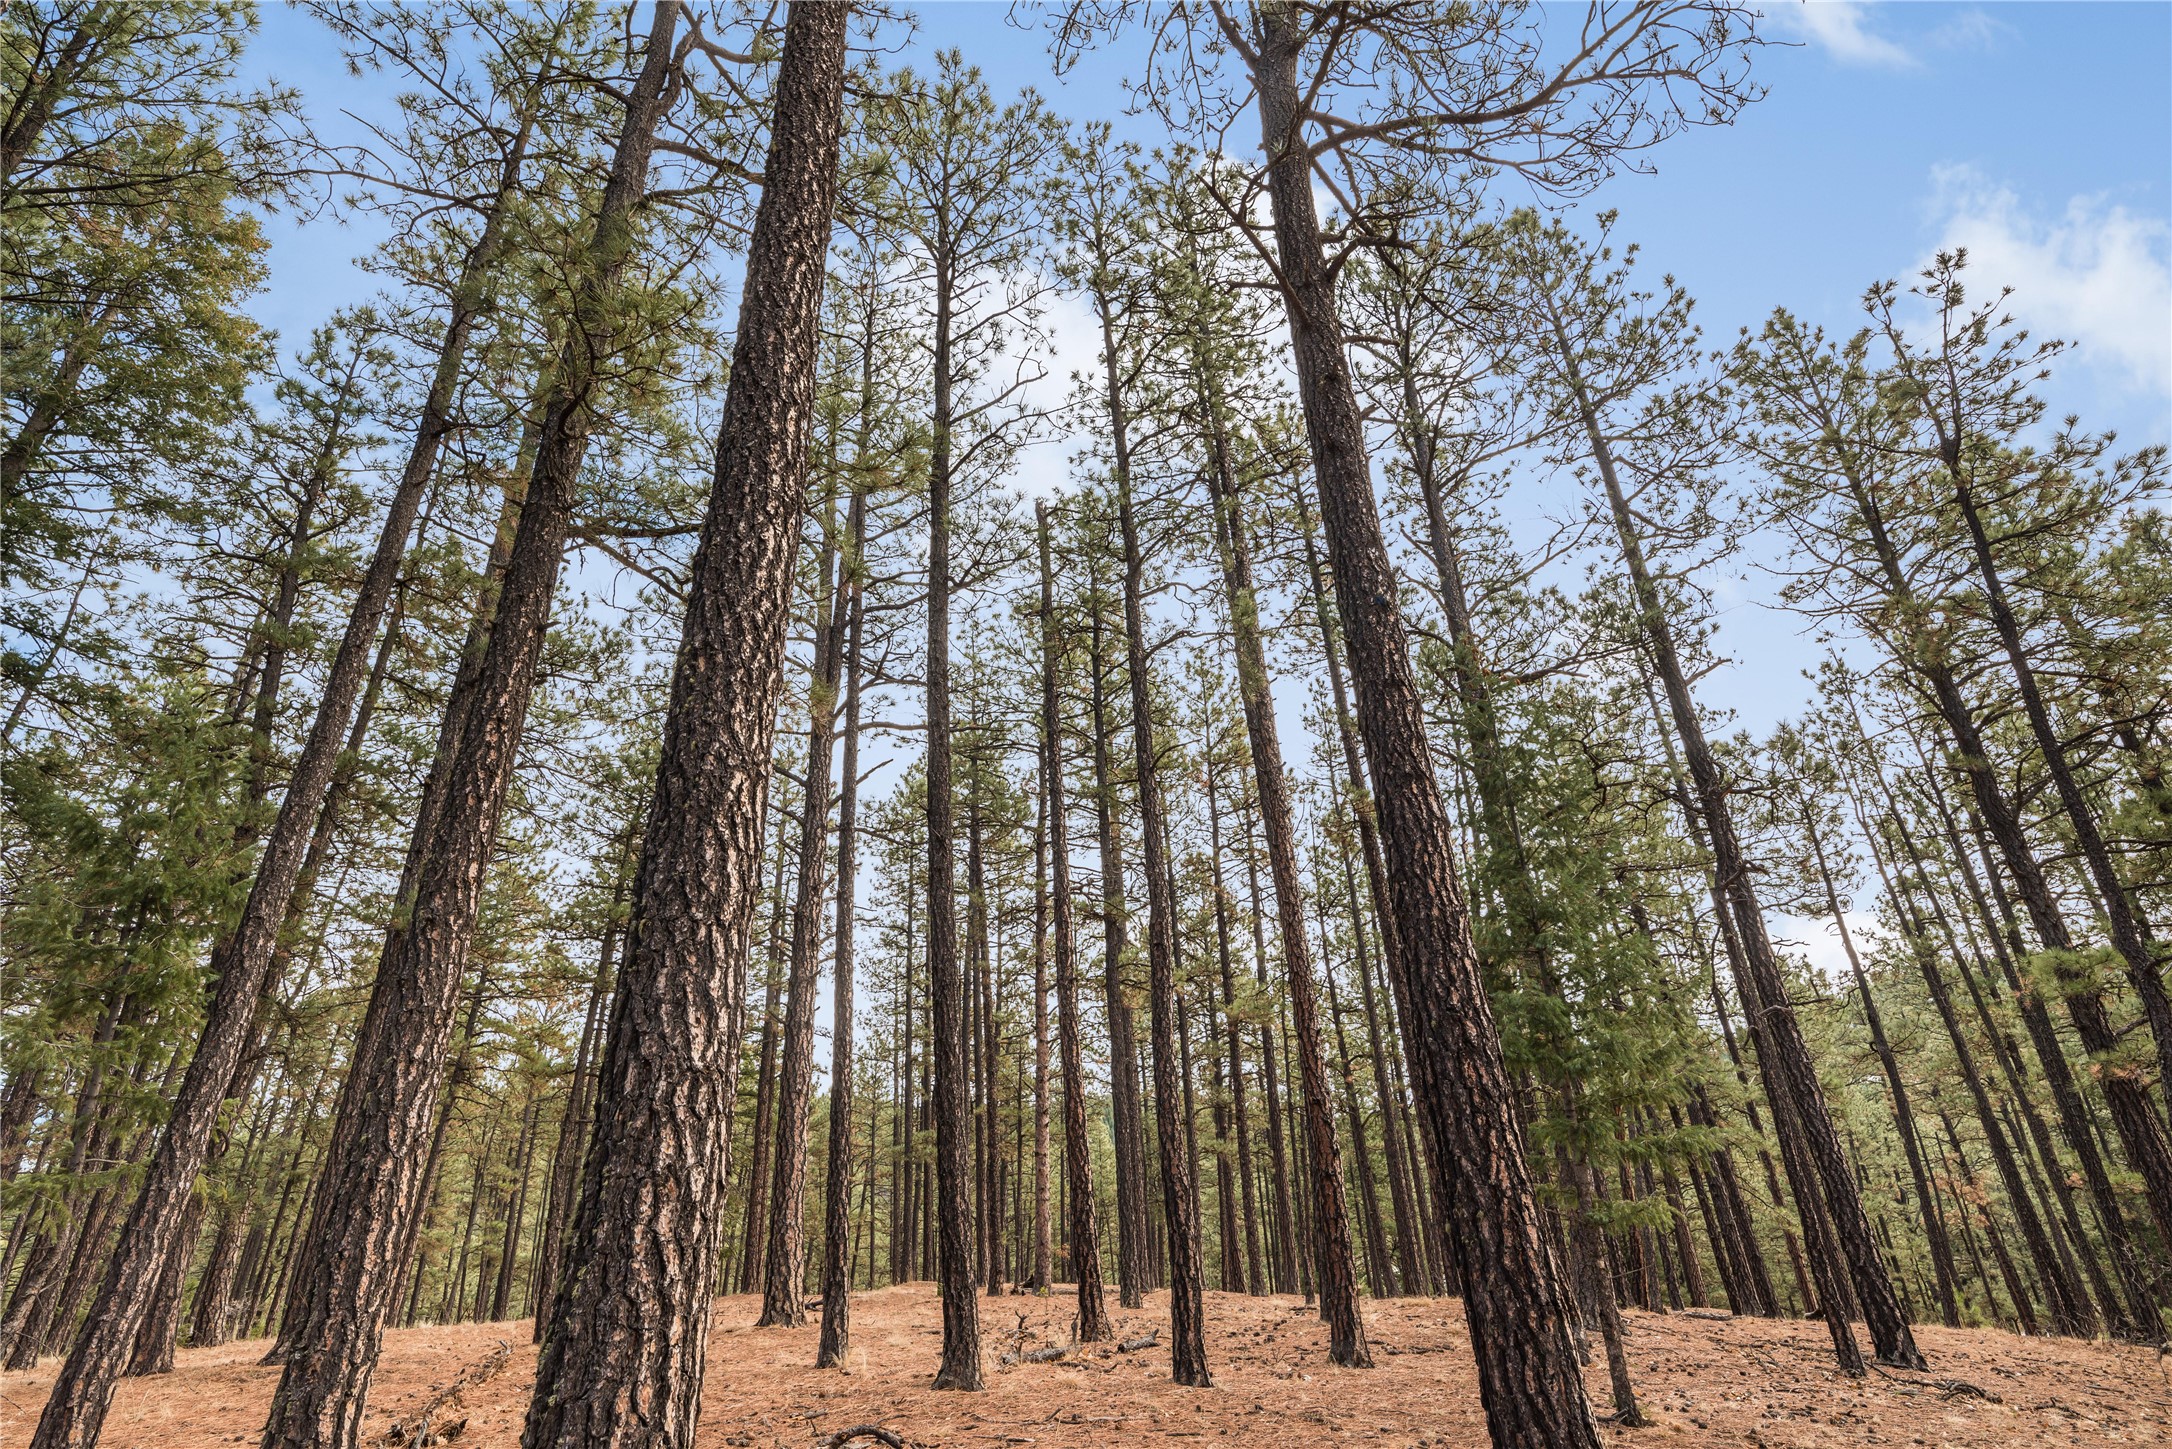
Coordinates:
[836,1339]
[1126,1111]
[1084,1230]
[372,1169]
[1254,1278]
[1408,1270]
[623,1359]
[784,1267]
[951,1207]
[1515,1302]
[1330,1213]
[153,1353]
[243,962]
[1180,1194]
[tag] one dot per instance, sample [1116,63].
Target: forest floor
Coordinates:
[1704,1379]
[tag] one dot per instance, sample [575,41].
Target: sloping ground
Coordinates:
[1704,1380]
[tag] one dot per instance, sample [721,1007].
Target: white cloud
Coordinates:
[1971,29]
[1842,29]
[2097,275]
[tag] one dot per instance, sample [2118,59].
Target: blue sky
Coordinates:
[2039,135]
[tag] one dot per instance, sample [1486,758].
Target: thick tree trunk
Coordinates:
[1085,1236]
[1518,1310]
[242,964]
[391,1094]
[622,1362]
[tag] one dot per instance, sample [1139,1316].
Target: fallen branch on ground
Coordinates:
[421,1433]
[865,1431]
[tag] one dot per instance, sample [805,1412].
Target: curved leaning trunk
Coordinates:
[1519,1314]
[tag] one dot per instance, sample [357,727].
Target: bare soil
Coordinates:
[1704,1379]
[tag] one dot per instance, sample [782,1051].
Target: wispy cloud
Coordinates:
[2096,274]
[1971,29]
[1842,29]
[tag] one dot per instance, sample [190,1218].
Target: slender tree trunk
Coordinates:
[1934,1230]
[951,1208]
[1518,1310]
[579,1113]
[1042,1224]
[622,1363]
[836,1340]
[754,1236]
[1085,1237]
[1255,1281]
[785,1261]
[2128,931]
[1180,1197]
[1784,1059]
[1408,1274]
[2141,1132]
[1330,1213]
[1285,1240]
[1132,1270]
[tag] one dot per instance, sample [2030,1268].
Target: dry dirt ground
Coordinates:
[1704,1380]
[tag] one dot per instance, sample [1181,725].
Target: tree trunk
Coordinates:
[1330,1213]
[1519,1320]
[2127,930]
[1132,1270]
[1934,1230]
[951,1207]
[1783,1060]
[836,1338]
[1085,1236]
[242,964]
[784,1267]
[1180,1197]
[1255,1281]
[622,1362]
